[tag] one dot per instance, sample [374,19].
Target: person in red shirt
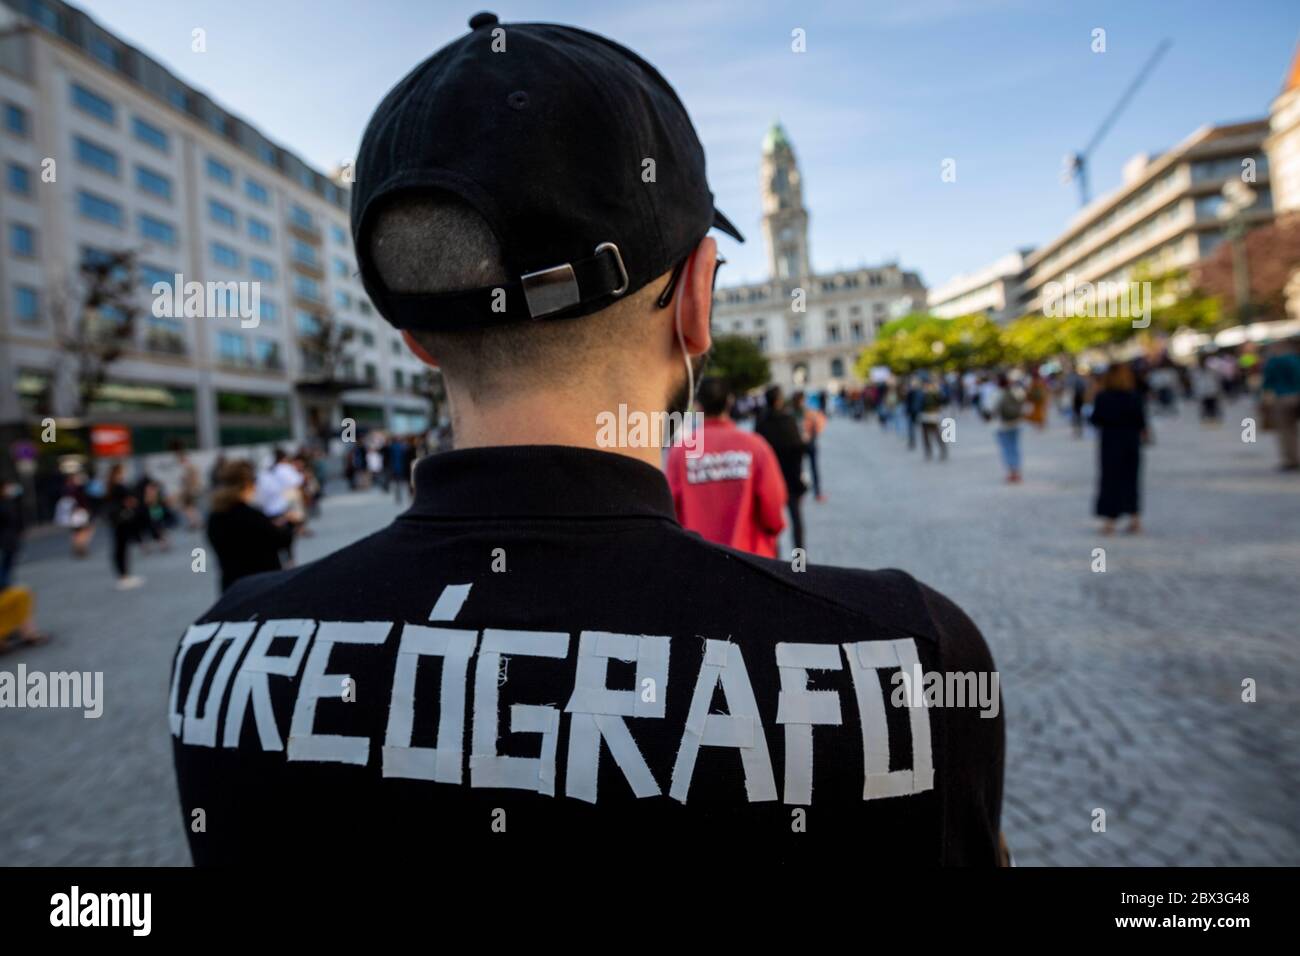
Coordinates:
[732,492]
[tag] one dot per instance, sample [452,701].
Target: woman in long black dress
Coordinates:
[1119,415]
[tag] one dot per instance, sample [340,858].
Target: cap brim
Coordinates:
[722,222]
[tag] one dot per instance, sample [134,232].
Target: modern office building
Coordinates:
[102,150]
[993,289]
[811,326]
[1164,215]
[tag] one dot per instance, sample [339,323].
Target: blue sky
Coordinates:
[885,92]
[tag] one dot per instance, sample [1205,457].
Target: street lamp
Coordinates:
[1237,198]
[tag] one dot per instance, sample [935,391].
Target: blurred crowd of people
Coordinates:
[1114,399]
[730,499]
[388,461]
[251,515]
[746,492]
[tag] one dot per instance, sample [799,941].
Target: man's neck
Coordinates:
[547,419]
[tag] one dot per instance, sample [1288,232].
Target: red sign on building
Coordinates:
[110,441]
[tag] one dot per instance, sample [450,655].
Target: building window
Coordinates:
[308,324]
[261,269]
[155,230]
[258,230]
[151,276]
[50,18]
[832,333]
[150,135]
[304,252]
[256,192]
[232,348]
[339,234]
[99,209]
[270,311]
[19,179]
[301,217]
[96,156]
[165,335]
[224,255]
[307,288]
[857,331]
[340,268]
[399,378]
[342,300]
[153,182]
[220,172]
[93,104]
[27,305]
[106,53]
[222,214]
[796,336]
[371,374]
[837,368]
[268,353]
[363,307]
[15,119]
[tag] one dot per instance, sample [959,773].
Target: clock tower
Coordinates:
[785,221]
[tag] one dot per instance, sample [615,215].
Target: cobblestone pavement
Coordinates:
[86,792]
[1122,689]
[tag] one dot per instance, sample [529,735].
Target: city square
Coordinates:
[399,498]
[1122,689]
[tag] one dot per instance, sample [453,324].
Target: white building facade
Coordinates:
[104,151]
[993,290]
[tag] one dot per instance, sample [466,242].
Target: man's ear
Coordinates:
[697,297]
[423,354]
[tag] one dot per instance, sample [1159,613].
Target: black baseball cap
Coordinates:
[575,151]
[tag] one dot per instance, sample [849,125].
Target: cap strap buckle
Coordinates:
[550,290]
[555,289]
[618,260]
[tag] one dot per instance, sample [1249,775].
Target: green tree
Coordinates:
[740,361]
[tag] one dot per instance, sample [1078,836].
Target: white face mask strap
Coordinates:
[682,289]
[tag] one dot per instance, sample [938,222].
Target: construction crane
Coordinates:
[1076,164]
